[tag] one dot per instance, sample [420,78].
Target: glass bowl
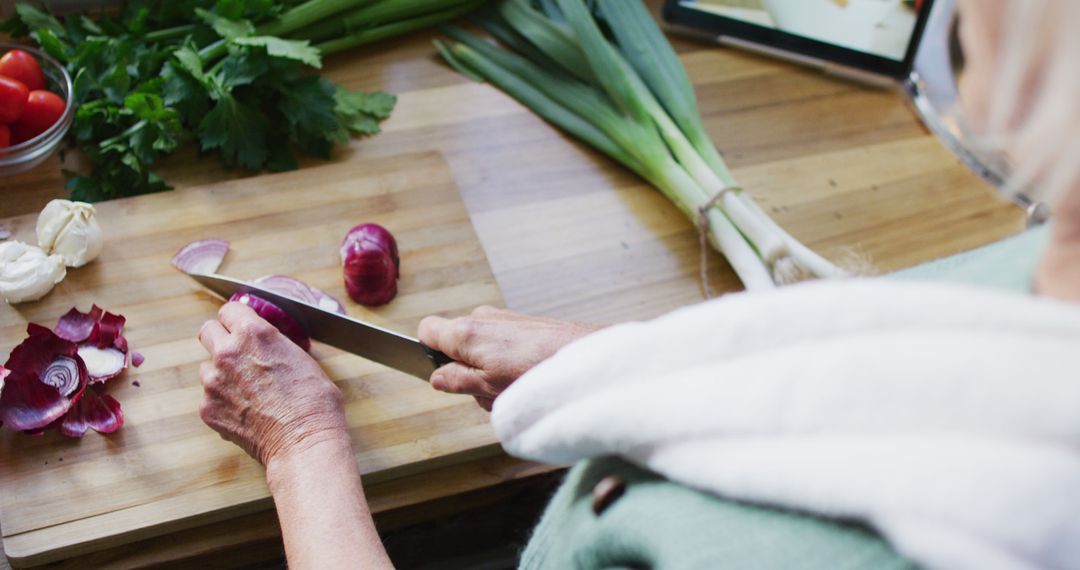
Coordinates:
[28,154]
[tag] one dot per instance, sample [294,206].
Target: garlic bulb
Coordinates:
[70,230]
[27,273]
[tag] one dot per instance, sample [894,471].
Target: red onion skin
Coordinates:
[369,254]
[98,328]
[370,236]
[99,412]
[273,314]
[370,277]
[26,403]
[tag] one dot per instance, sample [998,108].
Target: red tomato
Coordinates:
[5,136]
[43,109]
[13,95]
[17,64]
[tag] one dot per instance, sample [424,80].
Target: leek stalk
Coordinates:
[602,71]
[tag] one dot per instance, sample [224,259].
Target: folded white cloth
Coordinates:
[946,417]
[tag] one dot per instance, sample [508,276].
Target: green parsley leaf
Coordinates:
[238,130]
[298,50]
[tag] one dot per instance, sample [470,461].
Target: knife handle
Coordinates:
[437,358]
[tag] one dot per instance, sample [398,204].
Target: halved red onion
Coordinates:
[295,289]
[369,255]
[137,359]
[100,412]
[277,317]
[27,401]
[203,256]
[102,363]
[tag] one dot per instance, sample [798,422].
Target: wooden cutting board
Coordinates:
[165,470]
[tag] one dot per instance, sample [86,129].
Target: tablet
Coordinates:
[879,37]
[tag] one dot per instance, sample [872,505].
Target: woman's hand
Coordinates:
[493,347]
[263,392]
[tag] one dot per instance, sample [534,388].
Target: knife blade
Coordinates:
[351,335]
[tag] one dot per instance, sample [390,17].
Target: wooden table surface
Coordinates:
[847,169]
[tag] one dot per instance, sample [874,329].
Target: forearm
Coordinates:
[325,520]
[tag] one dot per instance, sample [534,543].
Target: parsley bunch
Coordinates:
[159,74]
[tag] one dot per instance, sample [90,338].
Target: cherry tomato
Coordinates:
[13,95]
[43,109]
[5,136]
[19,65]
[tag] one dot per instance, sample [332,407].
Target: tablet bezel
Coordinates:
[674,13]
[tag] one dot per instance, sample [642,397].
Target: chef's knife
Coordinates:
[357,337]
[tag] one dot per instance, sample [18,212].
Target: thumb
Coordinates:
[458,378]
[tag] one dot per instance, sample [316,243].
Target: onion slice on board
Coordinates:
[4,233]
[203,256]
[137,359]
[295,289]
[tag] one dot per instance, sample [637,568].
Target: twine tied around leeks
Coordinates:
[703,227]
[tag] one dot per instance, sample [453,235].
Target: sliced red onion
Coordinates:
[137,359]
[295,289]
[27,401]
[4,233]
[277,317]
[99,412]
[203,256]
[102,363]
[63,374]
[369,255]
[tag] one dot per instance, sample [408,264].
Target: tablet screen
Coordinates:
[882,28]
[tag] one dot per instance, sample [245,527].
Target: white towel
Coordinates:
[946,417]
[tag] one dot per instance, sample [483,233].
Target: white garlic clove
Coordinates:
[70,230]
[27,273]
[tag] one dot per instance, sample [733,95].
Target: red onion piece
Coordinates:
[99,412]
[4,233]
[277,317]
[295,289]
[102,363]
[137,359]
[100,335]
[203,256]
[76,326]
[369,255]
[63,374]
[27,402]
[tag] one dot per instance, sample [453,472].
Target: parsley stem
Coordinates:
[395,29]
[213,51]
[306,14]
[169,33]
[130,131]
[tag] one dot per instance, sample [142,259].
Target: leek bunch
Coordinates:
[605,73]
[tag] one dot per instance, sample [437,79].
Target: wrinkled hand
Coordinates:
[493,348]
[262,391]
